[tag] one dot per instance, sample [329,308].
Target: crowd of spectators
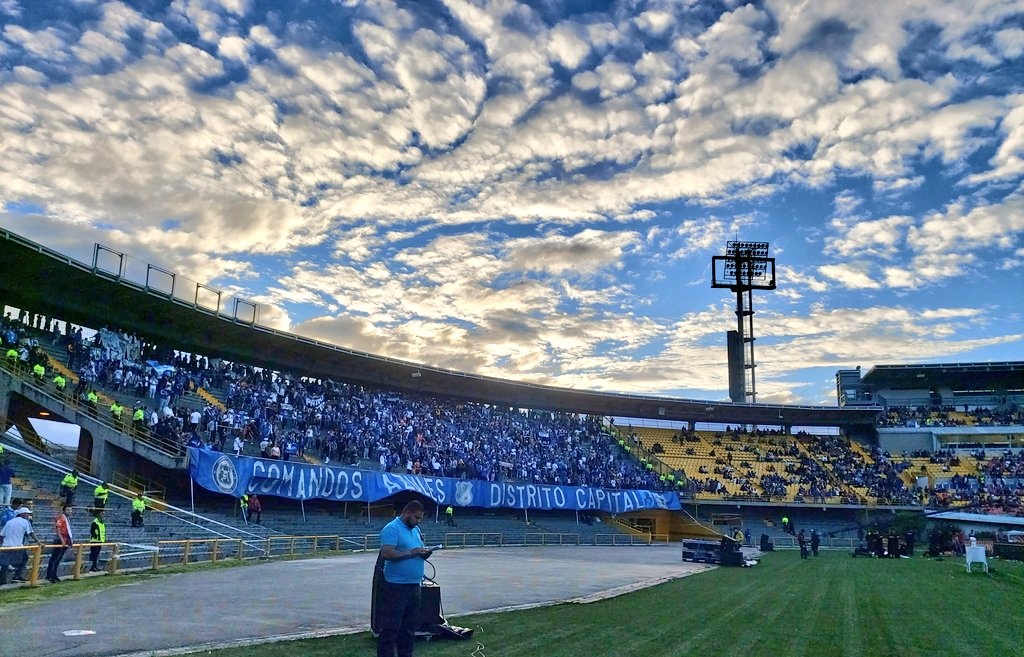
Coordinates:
[950,416]
[281,415]
[998,488]
[879,474]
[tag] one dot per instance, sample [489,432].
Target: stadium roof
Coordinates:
[997,376]
[43,281]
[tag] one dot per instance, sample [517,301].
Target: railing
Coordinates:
[642,453]
[121,425]
[623,539]
[550,538]
[124,557]
[827,543]
[473,539]
[35,558]
[215,528]
[128,270]
[136,484]
[627,526]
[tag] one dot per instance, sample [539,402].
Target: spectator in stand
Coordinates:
[10,511]
[6,487]
[62,541]
[255,508]
[15,533]
[291,448]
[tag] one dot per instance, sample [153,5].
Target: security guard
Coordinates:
[39,372]
[116,411]
[97,534]
[138,419]
[138,508]
[91,398]
[12,356]
[68,486]
[243,503]
[59,382]
[100,496]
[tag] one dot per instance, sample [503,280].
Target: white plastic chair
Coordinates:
[976,554]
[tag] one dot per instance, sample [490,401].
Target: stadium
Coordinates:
[578,520]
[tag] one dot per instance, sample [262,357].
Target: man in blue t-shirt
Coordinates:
[401,548]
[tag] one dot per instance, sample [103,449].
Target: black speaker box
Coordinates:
[430,606]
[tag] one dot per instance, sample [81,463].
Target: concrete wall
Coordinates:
[896,441]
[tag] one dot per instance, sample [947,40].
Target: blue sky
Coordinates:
[535,190]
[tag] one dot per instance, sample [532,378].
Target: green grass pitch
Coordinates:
[833,605]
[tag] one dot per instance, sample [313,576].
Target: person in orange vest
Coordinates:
[63,541]
[255,508]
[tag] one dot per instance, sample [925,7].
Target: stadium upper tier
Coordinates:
[46,282]
[344,423]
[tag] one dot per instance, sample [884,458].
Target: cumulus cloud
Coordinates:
[498,186]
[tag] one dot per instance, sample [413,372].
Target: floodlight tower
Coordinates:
[745,267]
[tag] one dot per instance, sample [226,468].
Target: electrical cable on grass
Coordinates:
[479,650]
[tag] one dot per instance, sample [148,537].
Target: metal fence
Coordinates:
[125,557]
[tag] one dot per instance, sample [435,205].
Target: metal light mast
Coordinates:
[745,267]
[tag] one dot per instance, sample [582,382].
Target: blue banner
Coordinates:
[233,475]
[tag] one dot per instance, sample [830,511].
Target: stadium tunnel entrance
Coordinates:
[48,431]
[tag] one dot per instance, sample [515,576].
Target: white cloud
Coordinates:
[853,275]
[1008,161]
[1010,42]
[93,48]
[655,22]
[880,237]
[47,44]
[464,192]
[959,231]
[567,47]
[615,78]
[234,47]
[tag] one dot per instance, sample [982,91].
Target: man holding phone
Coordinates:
[403,553]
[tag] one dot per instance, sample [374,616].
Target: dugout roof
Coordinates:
[43,281]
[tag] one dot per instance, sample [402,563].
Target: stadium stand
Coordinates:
[926,451]
[214,404]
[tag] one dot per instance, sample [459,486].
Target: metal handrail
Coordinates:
[168,448]
[182,515]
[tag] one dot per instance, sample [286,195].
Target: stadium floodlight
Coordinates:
[745,267]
